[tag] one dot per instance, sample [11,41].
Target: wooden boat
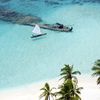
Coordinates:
[56,27]
[34,36]
[37,32]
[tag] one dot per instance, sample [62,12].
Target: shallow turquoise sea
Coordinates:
[24,60]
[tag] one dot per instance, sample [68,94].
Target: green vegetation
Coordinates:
[68,90]
[96,69]
[67,73]
[47,92]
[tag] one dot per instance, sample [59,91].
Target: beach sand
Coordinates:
[91,91]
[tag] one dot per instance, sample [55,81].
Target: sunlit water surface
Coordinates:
[24,60]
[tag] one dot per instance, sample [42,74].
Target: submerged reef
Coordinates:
[27,17]
[4,1]
[17,18]
[62,2]
[70,1]
[56,2]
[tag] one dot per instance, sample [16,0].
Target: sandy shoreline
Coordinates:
[31,92]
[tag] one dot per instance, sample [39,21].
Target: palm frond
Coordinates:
[64,77]
[98,80]
[95,68]
[75,79]
[44,89]
[78,90]
[47,86]
[97,63]
[63,73]
[96,73]
[76,72]
[42,95]
[77,97]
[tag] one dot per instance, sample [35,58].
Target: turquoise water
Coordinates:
[24,61]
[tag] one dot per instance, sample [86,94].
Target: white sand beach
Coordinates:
[31,92]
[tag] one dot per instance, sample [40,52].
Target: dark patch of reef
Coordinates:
[52,2]
[63,2]
[17,18]
[4,1]
[26,19]
[58,2]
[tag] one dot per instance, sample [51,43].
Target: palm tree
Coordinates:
[69,89]
[76,91]
[47,92]
[68,73]
[96,69]
[64,92]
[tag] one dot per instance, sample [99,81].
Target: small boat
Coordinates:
[37,32]
[56,27]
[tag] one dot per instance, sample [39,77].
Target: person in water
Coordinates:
[60,25]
